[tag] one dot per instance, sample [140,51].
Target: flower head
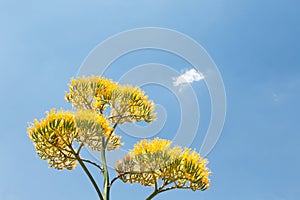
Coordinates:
[130,104]
[151,160]
[53,137]
[92,128]
[92,92]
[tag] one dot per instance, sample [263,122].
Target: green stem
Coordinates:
[90,177]
[93,163]
[106,186]
[158,190]
[76,154]
[153,194]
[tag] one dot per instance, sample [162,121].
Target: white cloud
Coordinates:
[188,77]
[276,98]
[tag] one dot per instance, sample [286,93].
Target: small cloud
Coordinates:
[188,77]
[276,98]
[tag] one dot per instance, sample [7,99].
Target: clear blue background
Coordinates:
[254,43]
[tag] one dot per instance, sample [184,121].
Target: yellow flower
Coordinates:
[151,160]
[147,146]
[90,92]
[53,137]
[130,104]
[127,103]
[92,127]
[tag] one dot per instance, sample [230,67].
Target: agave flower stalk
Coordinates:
[99,106]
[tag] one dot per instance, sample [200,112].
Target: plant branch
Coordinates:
[161,189]
[125,173]
[81,145]
[87,103]
[85,169]
[153,194]
[174,187]
[106,187]
[113,129]
[90,177]
[93,163]
[155,186]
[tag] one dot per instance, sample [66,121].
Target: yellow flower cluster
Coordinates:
[90,92]
[150,161]
[191,171]
[53,137]
[92,127]
[128,104]
[104,93]
[131,104]
[147,146]
[140,107]
[114,142]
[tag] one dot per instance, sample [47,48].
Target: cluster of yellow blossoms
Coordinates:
[53,138]
[128,104]
[90,93]
[153,160]
[93,127]
[55,135]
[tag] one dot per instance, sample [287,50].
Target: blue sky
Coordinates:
[255,45]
